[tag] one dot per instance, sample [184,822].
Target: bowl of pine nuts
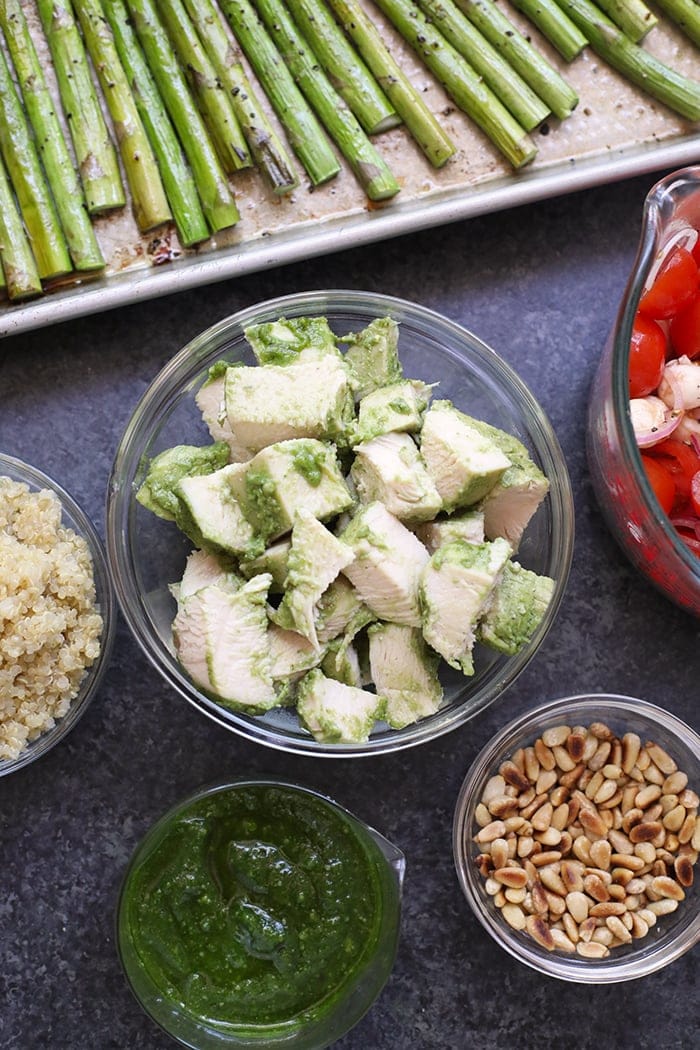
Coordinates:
[576,838]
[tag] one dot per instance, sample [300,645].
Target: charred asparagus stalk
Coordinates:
[461,82]
[678,92]
[345,69]
[303,130]
[147,194]
[21,277]
[177,178]
[214,102]
[95,153]
[33,196]
[60,173]
[553,23]
[368,166]
[422,124]
[269,153]
[528,109]
[216,197]
[542,77]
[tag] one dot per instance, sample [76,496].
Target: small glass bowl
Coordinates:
[75,518]
[673,934]
[147,554]
[626,498]
[344,1006]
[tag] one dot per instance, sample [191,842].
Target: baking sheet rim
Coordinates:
[345,232]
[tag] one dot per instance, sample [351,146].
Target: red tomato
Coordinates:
[680,461]
[685,330]
[695,492]
[696,251]
[661,482]
[676,284]
[647,356]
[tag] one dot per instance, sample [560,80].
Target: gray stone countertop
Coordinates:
[541,285]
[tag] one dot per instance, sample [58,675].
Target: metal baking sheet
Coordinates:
[615,132]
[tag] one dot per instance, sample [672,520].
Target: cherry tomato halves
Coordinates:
[647,356]
[684,329]
[674,287]
[661,482]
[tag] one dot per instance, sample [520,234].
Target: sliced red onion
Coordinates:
[695,442]
[657,421]
[671,379]
[687,523]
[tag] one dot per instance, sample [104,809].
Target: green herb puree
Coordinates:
[257,905]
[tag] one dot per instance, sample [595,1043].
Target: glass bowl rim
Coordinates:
[604,971]
[105,597]
[656,199]
[192,358]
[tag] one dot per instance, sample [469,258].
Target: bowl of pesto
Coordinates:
[259,913]
[339,523]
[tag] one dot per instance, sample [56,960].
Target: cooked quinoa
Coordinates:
[50,626]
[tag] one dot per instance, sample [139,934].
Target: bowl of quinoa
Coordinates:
[56,613]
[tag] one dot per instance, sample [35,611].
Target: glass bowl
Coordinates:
[75,518]
[146,554]
[673,934]
[620,483]
[307,839]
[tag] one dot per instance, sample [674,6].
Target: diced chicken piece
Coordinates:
[291,654]
[404,671]
[266,405]
[513,500]
[286,476]
[464,463]
[288,341]
[203,568]
[157,491]
[397,407]
[342,663]
[388,564]
[390,469]
[315,559]
[373,356]
[222,642]
[273,560]
[214,511]
[455,589]
[467,526]
[211,402]
[515,609]
[342,660]
[336,609]
[679,387]
[335,712]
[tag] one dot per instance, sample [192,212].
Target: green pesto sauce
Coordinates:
[256,905]
[261,503]
[309,461]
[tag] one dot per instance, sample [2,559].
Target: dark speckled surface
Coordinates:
[540,284]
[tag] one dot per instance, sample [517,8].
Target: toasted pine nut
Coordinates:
[606,908]
[546,857]
[596,888]
[515,896]
[592,950]
[563,758]
[640,928]
[630,750]
[540,904]
[626,860]
[647,831]
[546,779]
[551,878]
[592,822]
[562,942]
[542,818]
[578,905]
[603,936]
[667,887]
[688,830]
[525,845]
[513,775]
[606,791]
[632,816]
[601,853]
[643,760]
[539,931]
[503,806]
[663,907]
[571,876]
[646,851]
[544,754]
[618,929]
[575,743]
[495,830]
[555,736]
[514,916]
[482,815]
[647,795]
[532,765]
[673,821]
[661,758]
[653,775]
[549,837]
[683,870]
[600,757]
[499,853]
[513,877]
